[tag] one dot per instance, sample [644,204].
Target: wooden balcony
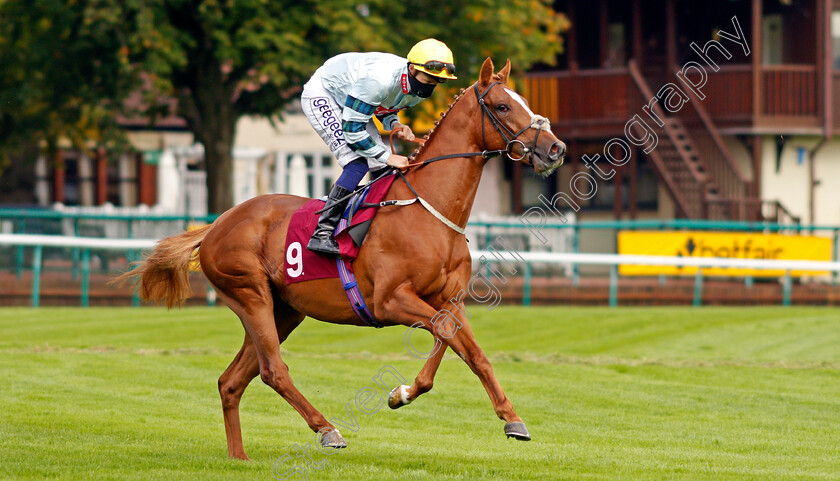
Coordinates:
[790,91]
[729,96]
[588,103]
[692,159]
[597,103]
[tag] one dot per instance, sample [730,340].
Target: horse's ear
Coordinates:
[486,75]
[505,72]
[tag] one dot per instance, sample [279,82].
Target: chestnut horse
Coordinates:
[242,255]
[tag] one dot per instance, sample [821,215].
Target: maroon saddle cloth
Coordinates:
[301,264]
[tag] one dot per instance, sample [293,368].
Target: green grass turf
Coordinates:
[630,393]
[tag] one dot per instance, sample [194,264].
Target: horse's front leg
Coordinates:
[404,306]
[464,344]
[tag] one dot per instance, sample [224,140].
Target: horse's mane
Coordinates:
[430,133]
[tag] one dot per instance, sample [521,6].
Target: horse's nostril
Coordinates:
[557,150]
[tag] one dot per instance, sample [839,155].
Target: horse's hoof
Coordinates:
[398,397]
[331,438]
[517,431]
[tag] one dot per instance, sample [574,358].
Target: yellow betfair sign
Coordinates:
[720,244]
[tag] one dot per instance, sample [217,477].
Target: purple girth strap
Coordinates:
[351,288]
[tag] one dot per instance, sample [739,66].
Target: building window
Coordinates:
[835,38]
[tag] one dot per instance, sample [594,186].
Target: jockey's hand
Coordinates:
[404,132]
[398,161]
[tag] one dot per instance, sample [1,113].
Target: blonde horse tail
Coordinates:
[163,276]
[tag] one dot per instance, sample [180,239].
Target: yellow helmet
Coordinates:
[432,57]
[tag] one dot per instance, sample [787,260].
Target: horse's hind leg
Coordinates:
[242,370]
[232,384]
[254,306]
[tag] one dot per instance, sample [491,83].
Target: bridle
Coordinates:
[508,135]
[504,130]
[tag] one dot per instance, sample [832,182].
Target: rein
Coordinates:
[509,136]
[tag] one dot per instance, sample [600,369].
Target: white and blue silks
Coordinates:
[343,95]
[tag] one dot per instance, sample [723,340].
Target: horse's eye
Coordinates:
[503,108]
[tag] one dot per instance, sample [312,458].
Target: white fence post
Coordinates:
[298,184]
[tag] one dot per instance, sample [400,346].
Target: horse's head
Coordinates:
[507,123]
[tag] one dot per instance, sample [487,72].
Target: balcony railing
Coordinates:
[588,99]
[789,91]
[585,98]
[729,95]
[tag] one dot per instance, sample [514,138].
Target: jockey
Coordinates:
[340,101]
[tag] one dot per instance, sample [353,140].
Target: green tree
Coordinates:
[62,73]
[223,59]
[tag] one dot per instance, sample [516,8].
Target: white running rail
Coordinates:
[85,244]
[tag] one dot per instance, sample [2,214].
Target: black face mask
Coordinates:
[418,88]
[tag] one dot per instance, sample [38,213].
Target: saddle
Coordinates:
[304,265]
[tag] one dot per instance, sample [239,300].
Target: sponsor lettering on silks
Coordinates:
[330,121]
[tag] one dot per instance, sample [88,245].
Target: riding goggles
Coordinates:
[436,66]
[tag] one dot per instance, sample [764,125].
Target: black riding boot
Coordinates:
[322,240]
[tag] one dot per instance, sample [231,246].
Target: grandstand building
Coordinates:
[753,105]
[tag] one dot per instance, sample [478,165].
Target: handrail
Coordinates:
[697,224]
[648,94]
[642,260]
[483,256]
[789,68]
[615,260]
[781,207]
[594,72]
[85,244]
[54,214]
[33,240]
[669,182]
[702,224]
[713,131]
